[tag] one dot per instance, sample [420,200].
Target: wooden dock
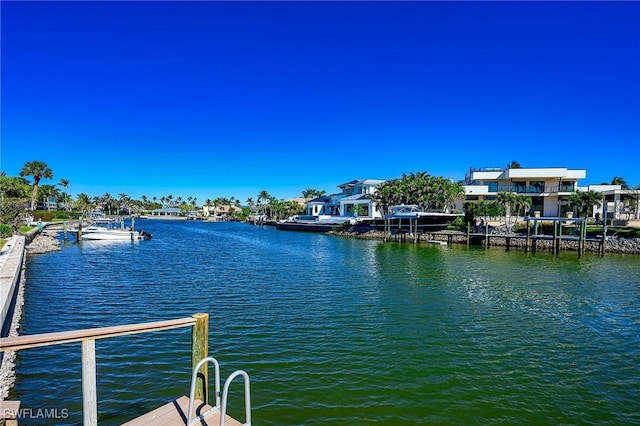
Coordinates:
[172,413]
[531,241]
[175,414]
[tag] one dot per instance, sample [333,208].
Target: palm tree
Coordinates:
[507,199]
[83,203]
[107,201]
[618,180]
[313,193]
[38,170]
[514,165]
[585,201]
[65,184]
[263,200]
[521,204]
[125,201]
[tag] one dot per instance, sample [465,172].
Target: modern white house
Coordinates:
[621,204]
[355,192]
[549,188]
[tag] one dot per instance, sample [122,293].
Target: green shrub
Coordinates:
[43,216]
[5,230]
[459,224]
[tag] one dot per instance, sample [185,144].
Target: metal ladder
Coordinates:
[220,398]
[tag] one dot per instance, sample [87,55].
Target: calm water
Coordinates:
[341,331]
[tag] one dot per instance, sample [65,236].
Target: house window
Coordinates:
[493,186]
[567,186]
[519,187]
[536,187]
[537,204]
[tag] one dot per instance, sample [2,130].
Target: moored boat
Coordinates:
[108,230]
[413,217]
[312,223]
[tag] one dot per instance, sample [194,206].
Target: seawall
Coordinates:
[614,244]
[11,261]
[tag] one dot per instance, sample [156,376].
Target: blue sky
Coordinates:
[220,99]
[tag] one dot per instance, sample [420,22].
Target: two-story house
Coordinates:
[355,192]
[549,188]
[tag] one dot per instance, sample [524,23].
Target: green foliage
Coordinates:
[483,209]
[428,192]
[38,170]
[357,210]
[459,224]
[5,230]
[12,211]
[14,187]
[585,201]
[313,193]
[53,215]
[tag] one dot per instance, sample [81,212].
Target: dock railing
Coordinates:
[199,350]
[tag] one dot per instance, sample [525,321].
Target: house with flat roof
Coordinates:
[549,187]
[618,203]
[355,192]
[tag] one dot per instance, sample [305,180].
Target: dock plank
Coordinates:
[175,413]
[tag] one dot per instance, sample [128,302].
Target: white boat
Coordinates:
[106,230]
[322,223]
[413,215]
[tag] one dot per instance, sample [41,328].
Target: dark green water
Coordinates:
[342,331]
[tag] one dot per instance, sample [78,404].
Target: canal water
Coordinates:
[337,330]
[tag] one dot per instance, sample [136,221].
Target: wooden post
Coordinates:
[604,237]
[486,234]
[89,393]
[528,240]
[468,232]
[554,246]
[535,234]
[79,227]
[559,236]
[200,350]
[385,229]
[580,247]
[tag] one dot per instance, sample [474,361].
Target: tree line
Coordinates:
[421,189]
[18,194]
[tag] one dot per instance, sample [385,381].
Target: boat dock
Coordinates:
[195,408]
[532,241]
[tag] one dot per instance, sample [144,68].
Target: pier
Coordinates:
[566,234]
[173,413]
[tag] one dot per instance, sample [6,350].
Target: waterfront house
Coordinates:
[618,203]
[166,212]
[355,192]
[549,187]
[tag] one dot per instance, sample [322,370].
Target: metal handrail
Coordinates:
[88,339]
[247,397]
[192,392]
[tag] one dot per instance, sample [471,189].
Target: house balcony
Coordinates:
[527,189]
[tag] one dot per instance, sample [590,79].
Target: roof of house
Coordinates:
[361,182]
[167,210]
[356,197]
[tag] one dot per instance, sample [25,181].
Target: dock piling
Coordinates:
[199,351]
